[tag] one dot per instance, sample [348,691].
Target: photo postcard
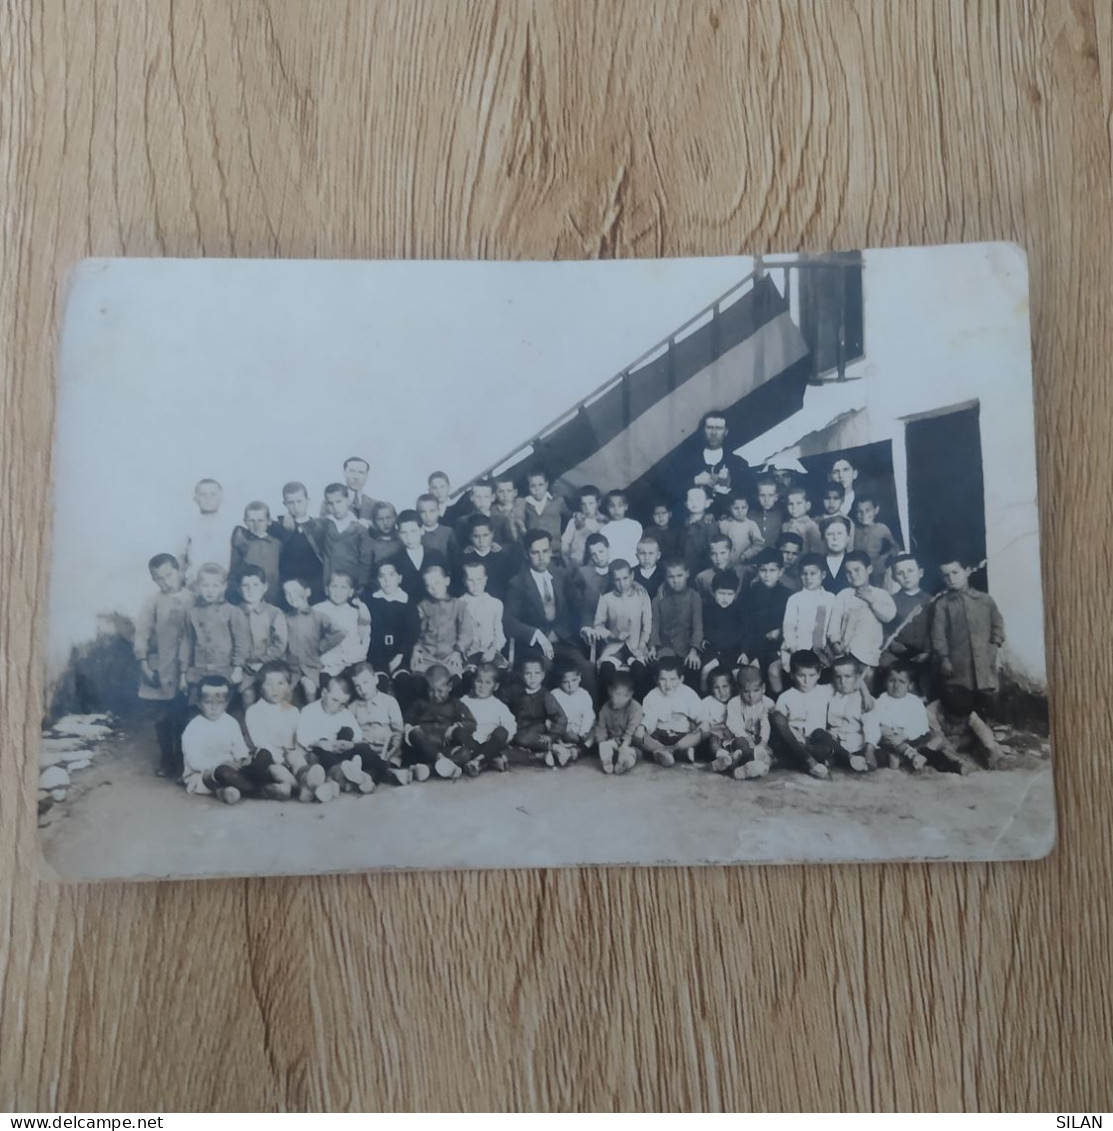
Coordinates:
[400,565]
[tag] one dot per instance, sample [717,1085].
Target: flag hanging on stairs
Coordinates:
[748,361]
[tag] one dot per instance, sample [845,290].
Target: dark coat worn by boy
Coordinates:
[967,629]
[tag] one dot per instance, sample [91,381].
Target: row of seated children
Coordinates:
[356,737]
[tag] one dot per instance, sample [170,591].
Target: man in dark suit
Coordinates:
[356,470]
[704,460]
[540,612]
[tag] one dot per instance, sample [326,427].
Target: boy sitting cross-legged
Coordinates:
[671,716]
[579,711]
[748,755]
[379,748]
[541,729]
[617,725]
[437,723]
[906,733]
[213,748]
[714,722]
[800,714]
[851,733]
[272,724]
[326,737]
[484,747]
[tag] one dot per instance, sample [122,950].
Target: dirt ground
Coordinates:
[121,821]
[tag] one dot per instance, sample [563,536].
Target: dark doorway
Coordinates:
[946,492]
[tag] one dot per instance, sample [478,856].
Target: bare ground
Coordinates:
[121,821]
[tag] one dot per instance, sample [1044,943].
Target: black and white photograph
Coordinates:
[437,565]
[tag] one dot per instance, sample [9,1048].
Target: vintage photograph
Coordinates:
[383,565]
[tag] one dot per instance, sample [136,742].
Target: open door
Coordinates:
[946,492]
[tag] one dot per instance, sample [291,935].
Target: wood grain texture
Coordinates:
[540,130]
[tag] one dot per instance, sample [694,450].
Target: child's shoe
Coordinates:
[399,775]
[229,794]
[626,760]
[548,759]
[420,771]
[473,768]
[329,791]
[858,763]
[283,776]
[367,785]
[352,770]
[608,766]
[664,757]
[750,770]
[307,792]
[277,791]
[315,776]
[690,754]
[722,762]
[446,768]
[819,770]
[563,754]
[500,763]
[917,761]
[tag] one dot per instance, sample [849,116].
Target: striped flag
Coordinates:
[748,360]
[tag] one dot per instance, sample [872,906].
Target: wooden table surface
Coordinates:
[542,130]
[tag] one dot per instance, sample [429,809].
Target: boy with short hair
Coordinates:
[700,528]
[441,489]
[720,688]
[745,536]
[671,717]
[445,633]
[488,635]
[623,623]
[579,711]
[858,614]
[590,581]
[346,545]
[266,628]
[543,510]
[271,723]
[437,723]
[382,536]
[799,520]
[719,555]
[301,540]
[216,640]
[379,748]
[310,633]
[159,633]
[622,533]
[213,748]
[768,516]
[872,537]
[953,717]
[254,545]
[967,630]
[677,628]
[394,623]
[326,737]
[807,616]
[748,754]
[905,730]
[789,546]
[499,562]
[762,618]
[722,626]
[541,727]
[908,634]
[350,614]
[799,717]
[617,725]
[668,538]
[585,522]
[440,539]
[209,535]
[851,734]
[648,573]
[510,509]
[836,532]
[412,560]
[484,747]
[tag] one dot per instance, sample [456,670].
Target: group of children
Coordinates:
[308,655]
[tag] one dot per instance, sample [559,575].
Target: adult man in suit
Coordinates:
[540,612]
[356,470]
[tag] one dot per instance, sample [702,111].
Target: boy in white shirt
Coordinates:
[858,615]
[214,752]
[578,709]
[714,721]
[622,533]
[488,637]
[326,737]
[748,754]
[852,731]
[671,717]
[906,733]
[352,616]
[585,522]
[745,537]
[799,713]
[485,746]
[272,724]
[808,612]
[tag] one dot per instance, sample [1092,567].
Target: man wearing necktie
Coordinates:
[539,612]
